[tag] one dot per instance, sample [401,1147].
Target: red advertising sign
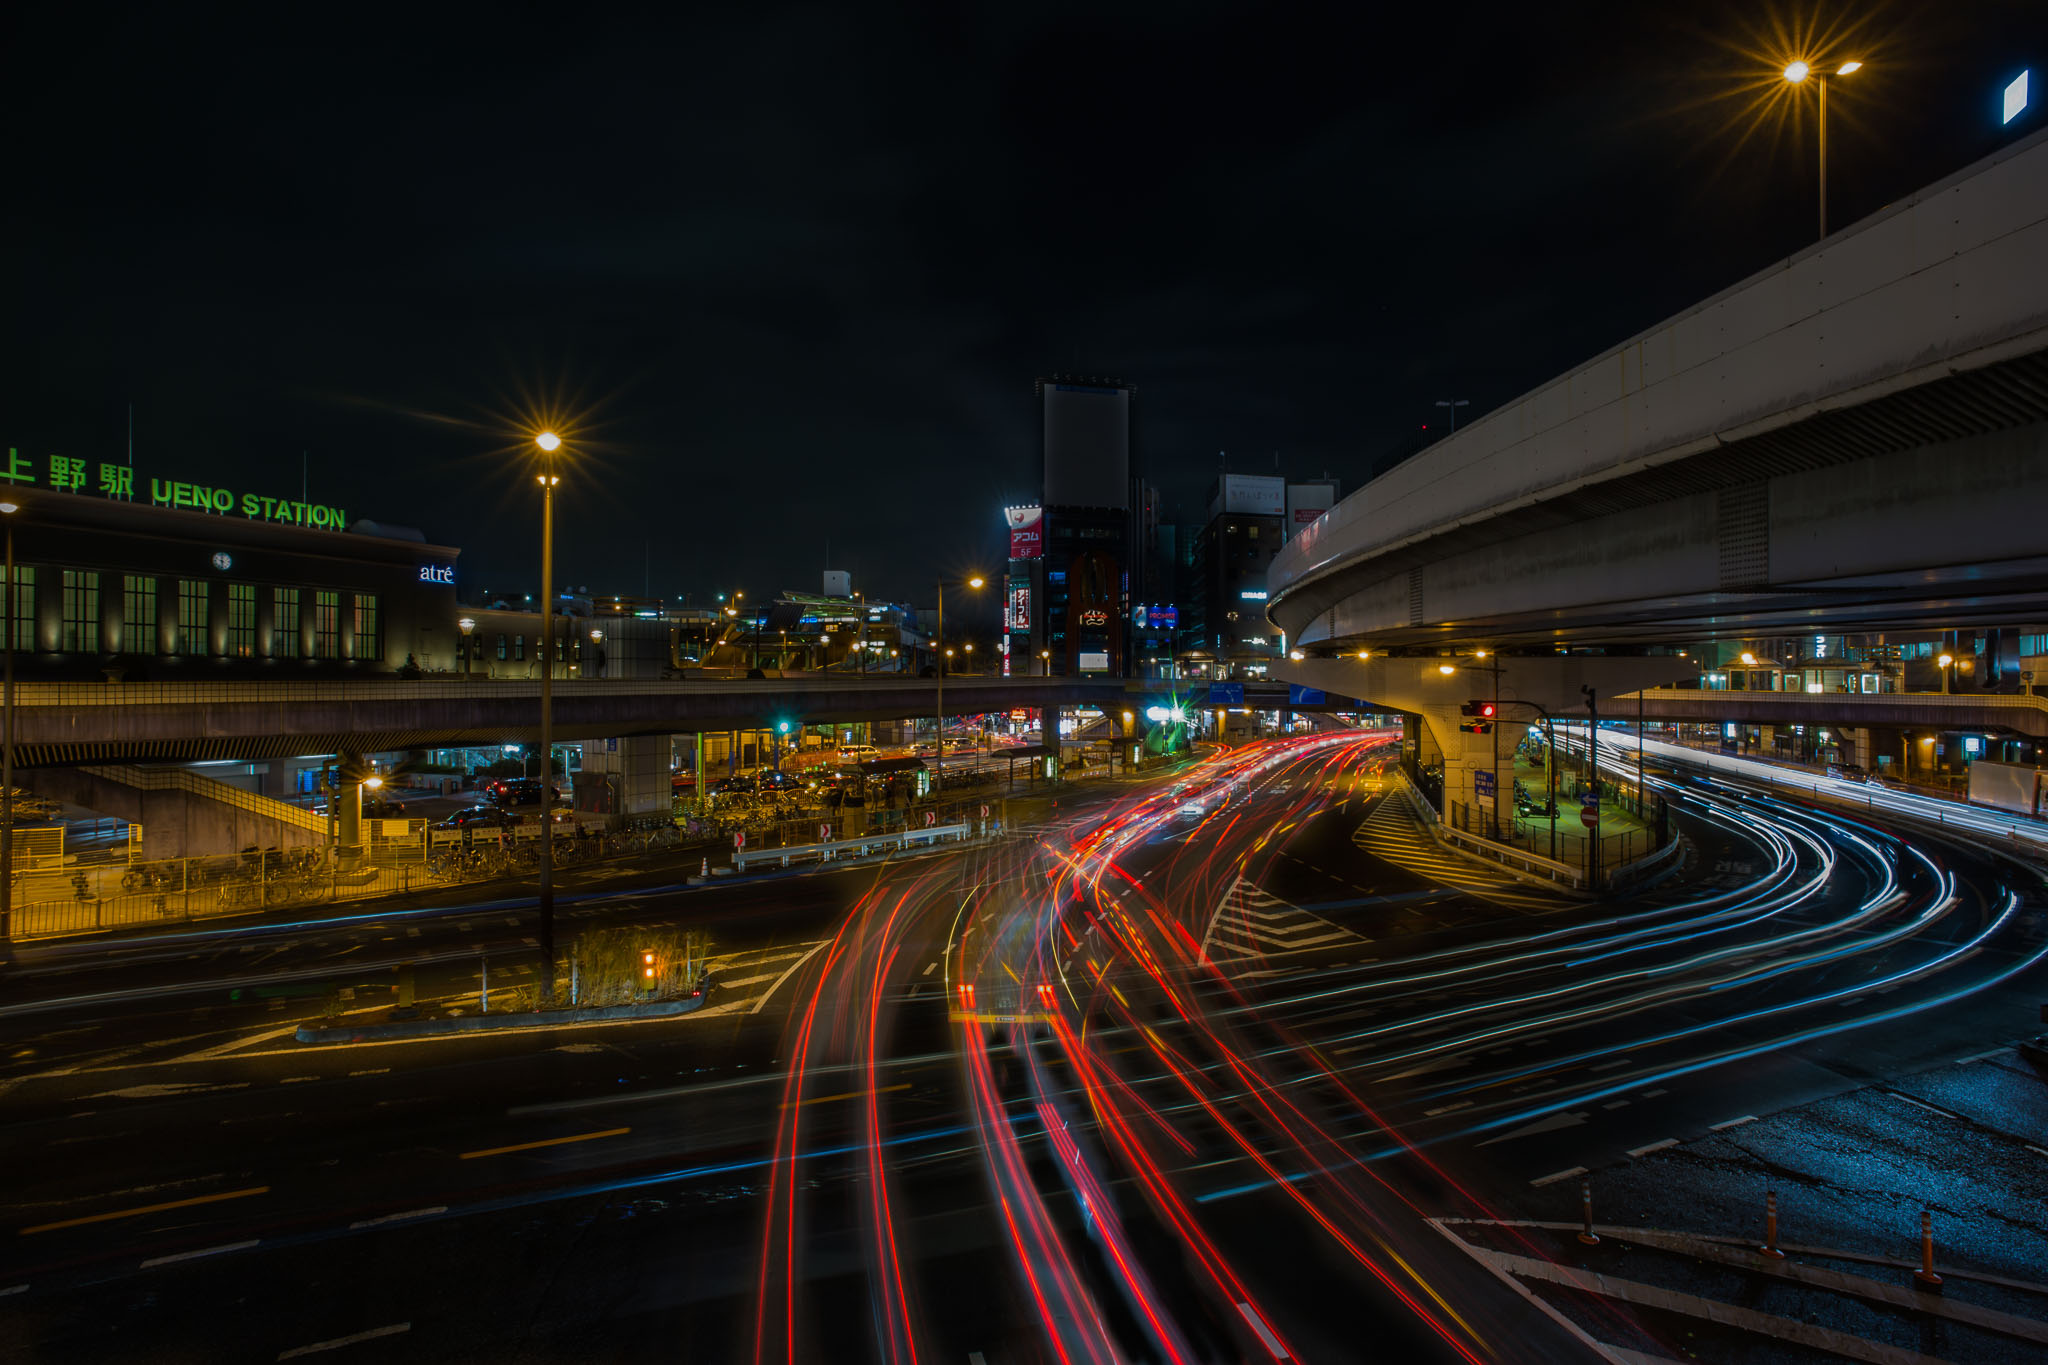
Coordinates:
[1027,531]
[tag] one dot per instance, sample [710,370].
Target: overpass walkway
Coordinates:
[2021,715]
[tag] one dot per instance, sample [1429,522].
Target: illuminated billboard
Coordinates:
[1027,531]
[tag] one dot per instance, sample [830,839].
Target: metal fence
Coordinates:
[88,893]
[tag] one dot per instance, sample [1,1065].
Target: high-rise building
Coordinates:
[1089,526]
[1225,633]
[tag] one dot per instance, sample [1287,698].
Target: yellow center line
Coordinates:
[544,1142]
[148,1208]
[854,1094]
[1013,974]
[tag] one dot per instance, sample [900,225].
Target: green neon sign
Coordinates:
[66,474]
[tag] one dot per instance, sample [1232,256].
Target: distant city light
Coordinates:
[2015,97]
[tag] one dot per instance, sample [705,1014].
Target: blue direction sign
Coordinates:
[1297,695]
[1226,694]
[1482,782]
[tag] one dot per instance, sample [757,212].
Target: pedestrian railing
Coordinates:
[862,847]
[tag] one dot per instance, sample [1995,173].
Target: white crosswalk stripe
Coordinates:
[1252,922]
[1393,834]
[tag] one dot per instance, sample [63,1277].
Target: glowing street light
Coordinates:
[1798,73]
[1945,660]
[549,443]
[1447,669]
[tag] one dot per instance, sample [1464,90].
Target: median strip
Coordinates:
[146,1208]
[546,1142]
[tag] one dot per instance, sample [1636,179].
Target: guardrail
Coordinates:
[859,848]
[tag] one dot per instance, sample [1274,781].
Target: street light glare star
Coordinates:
[547,440]
[1797,72]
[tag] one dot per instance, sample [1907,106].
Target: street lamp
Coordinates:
[1454,404]
[1945,660]
[1045,662]
[548,479]
[468,627]
[1799,72]
[7,511]
[596,639]
[939,639]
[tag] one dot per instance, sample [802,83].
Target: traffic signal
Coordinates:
[1481,709]
[1477,727]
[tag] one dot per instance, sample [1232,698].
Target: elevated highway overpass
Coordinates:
[1853,439]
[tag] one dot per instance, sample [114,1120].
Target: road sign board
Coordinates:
[1226,694]
[1589,816]
[1482,782]
[1297,695]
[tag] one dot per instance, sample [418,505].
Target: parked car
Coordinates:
[382,808]
[469,817]
[780,782]
[730,786]
[523,791]
[858,753]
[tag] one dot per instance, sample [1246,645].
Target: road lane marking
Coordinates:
[203,1251]
[1930,1108]
[1980,1056]
[928,967]
[1732,1123]
[397,1217]
[546,1142]
[1652,1147]
[767,994]
[147,1208]
[1556,1176]
[338,1342]
[853,1094]
[1258,1324]
[13,1289]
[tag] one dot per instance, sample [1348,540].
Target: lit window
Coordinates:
[138,613]
[242,620]
[192,606]
[326,625]
[81,612]
[369,644]
[284,623]
[24,609]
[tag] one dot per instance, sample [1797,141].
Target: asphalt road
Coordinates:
[1145,1082]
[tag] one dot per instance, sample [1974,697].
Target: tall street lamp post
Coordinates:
[1454,404]
[939,657]
[468,627]
[1798,72]
[548,443]
[7,511]
[1945,661]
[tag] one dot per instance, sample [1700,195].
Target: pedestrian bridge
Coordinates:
[1853,439]
[65,724]
[1920,711]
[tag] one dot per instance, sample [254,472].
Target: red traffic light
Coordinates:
[1482,709]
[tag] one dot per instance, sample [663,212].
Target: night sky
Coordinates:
[789,272]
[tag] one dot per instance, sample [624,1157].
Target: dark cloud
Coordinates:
[800,264]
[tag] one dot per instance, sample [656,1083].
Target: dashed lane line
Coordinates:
[338,1342]
[397,1217]
[146,1209]
[1556,1176]
[220,1250]
[1731,1123]
[546,1142]
[1650,1147]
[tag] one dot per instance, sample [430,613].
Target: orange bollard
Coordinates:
[1587,1236]
[1770,1246]
[1924,1277]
